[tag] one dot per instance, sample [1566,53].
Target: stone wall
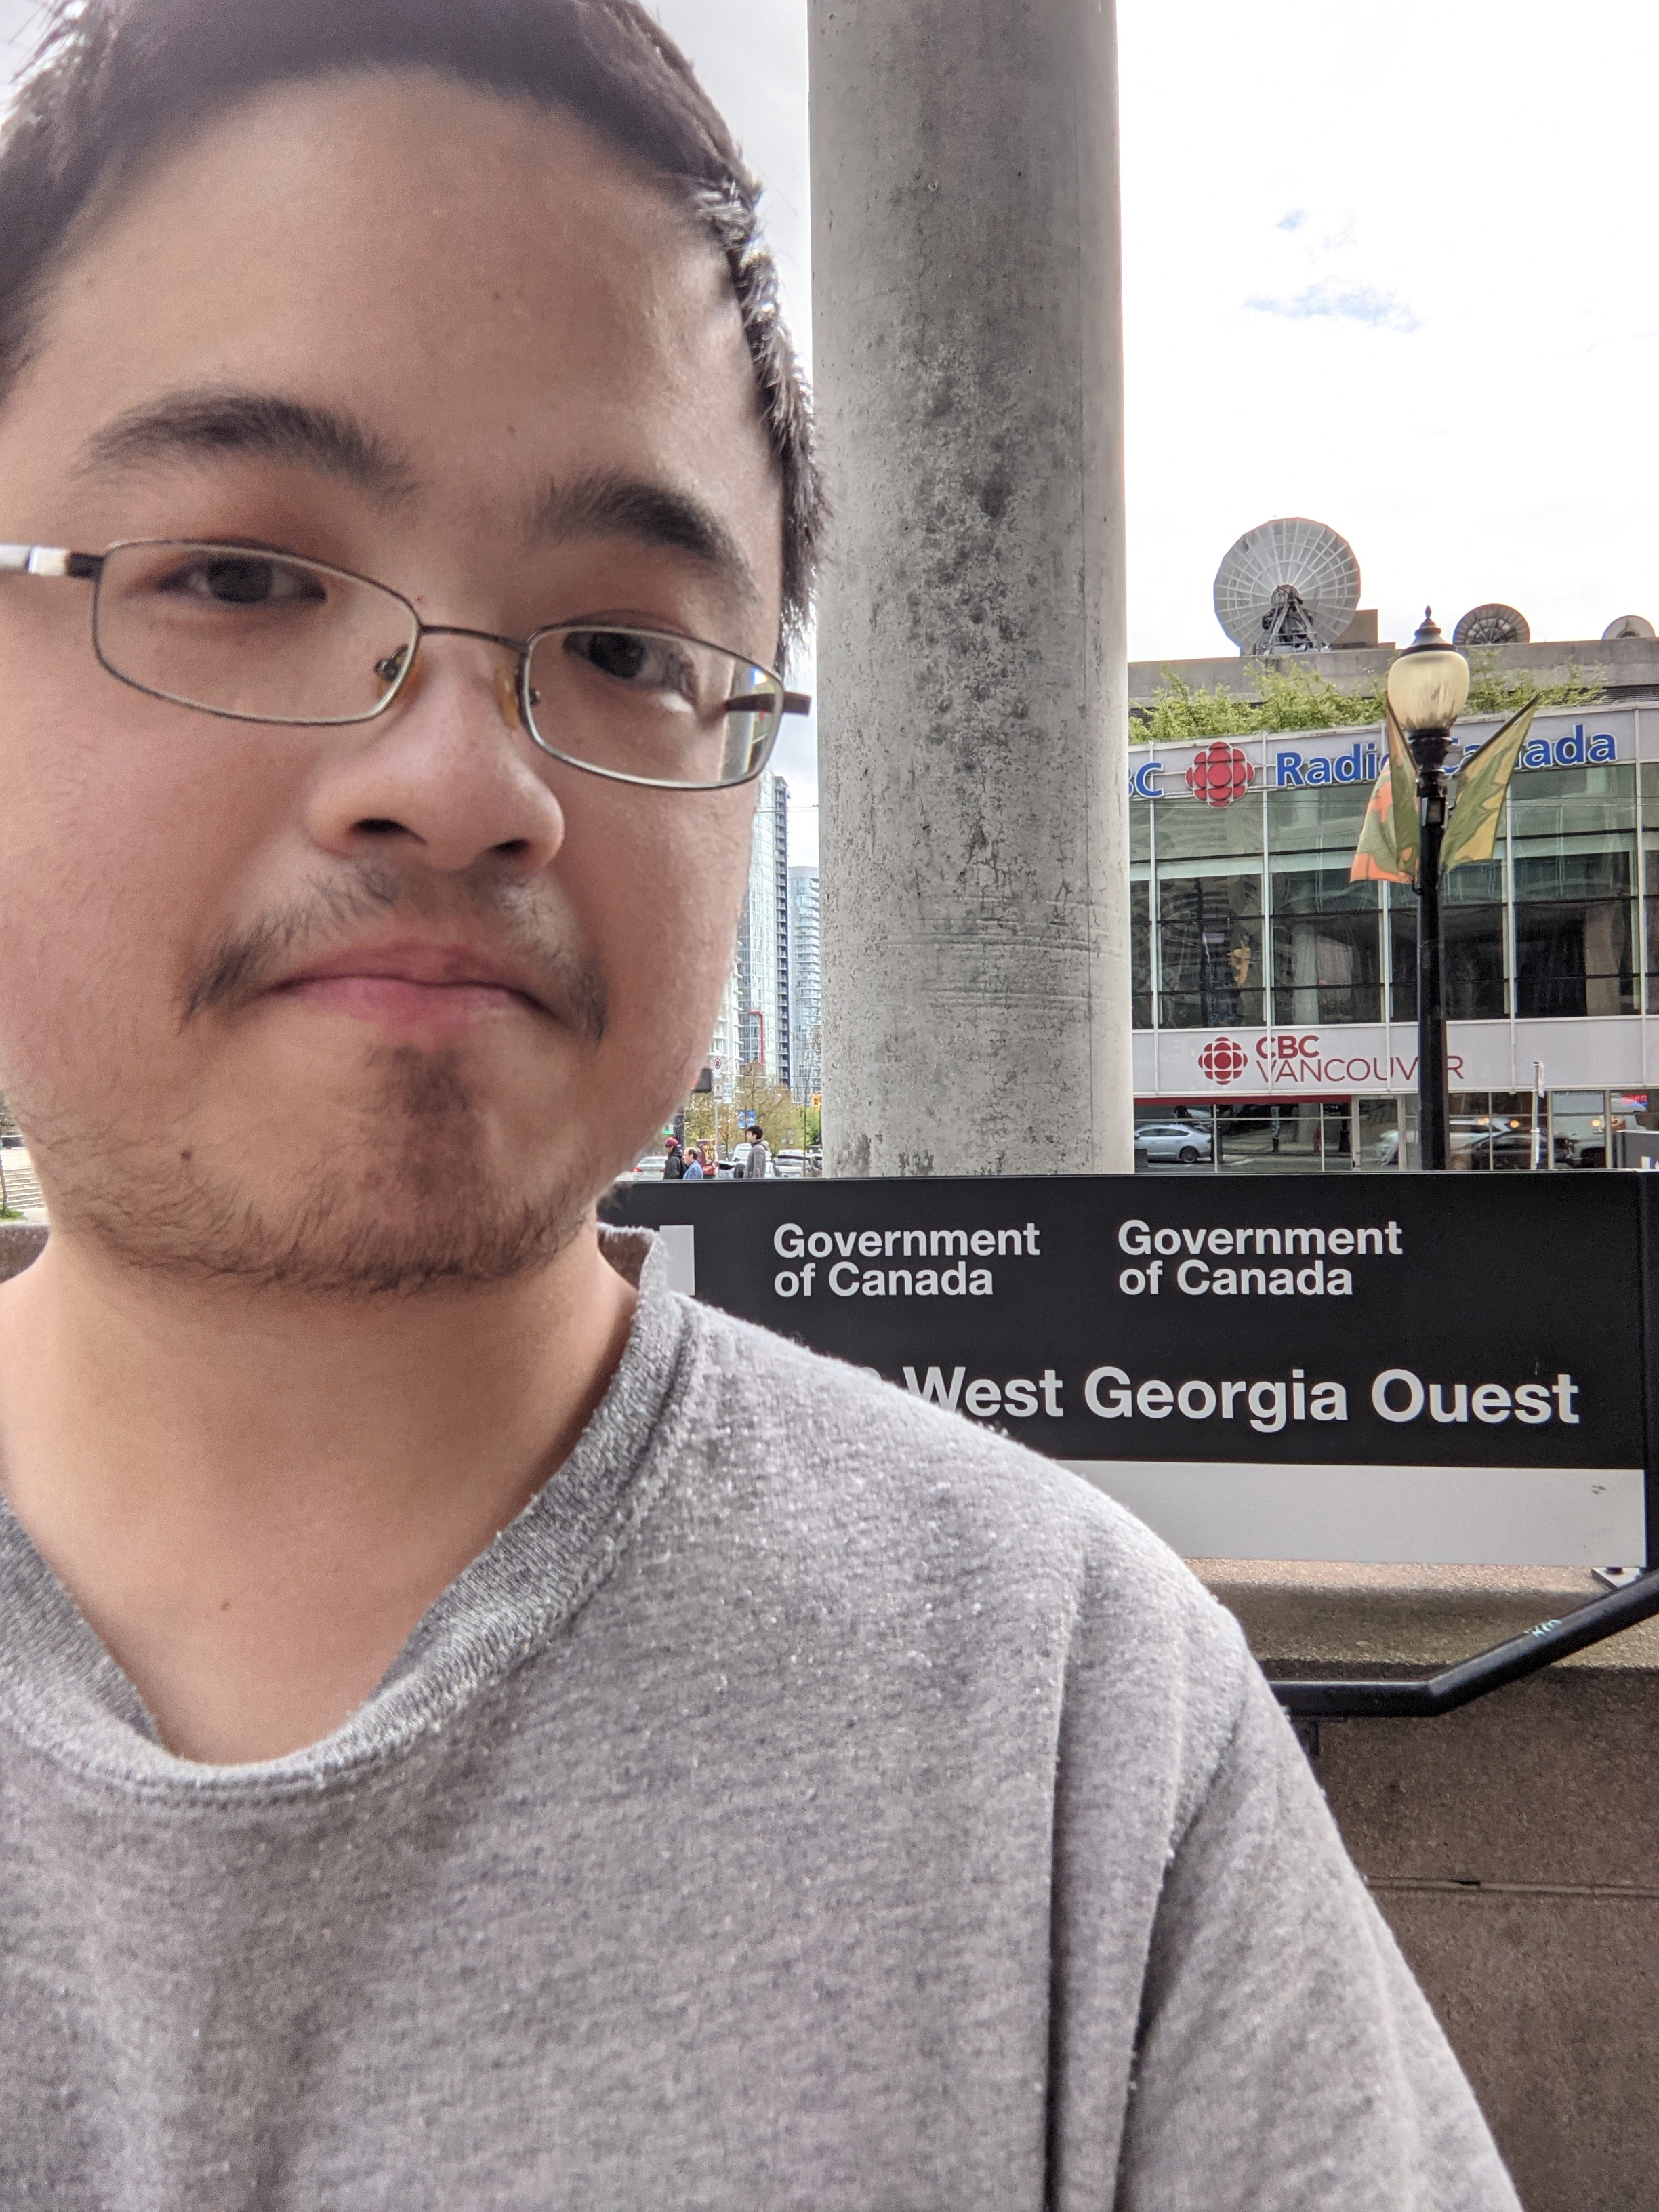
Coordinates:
[1513,1847]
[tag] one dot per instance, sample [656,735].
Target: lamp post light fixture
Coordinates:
[1428,686]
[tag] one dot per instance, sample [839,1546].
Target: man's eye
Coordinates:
[649,664]
[245,580]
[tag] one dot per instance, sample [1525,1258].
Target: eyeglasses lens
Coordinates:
[653,705]
[258,636]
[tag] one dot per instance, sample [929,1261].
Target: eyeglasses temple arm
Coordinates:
[48,560]
[794,702]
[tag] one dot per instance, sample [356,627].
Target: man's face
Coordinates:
[472,307]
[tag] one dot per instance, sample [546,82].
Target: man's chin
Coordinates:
[354,1236]
[420,1187]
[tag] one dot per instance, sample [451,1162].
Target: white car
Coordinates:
[1173,1140]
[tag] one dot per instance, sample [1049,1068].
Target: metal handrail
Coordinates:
[1486,1671]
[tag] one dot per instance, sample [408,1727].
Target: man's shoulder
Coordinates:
[873,1482]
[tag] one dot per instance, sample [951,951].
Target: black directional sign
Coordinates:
[1439,1368]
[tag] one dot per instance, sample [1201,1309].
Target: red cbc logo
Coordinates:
[1222,1060]
[1219,773]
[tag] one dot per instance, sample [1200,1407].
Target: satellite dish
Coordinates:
[1627,626]
[1493,624]
[1289,586]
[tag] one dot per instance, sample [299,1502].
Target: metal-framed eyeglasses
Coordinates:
[256,635]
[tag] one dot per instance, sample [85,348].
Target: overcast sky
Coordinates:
[1389,262]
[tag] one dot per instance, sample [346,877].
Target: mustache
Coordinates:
[245,962]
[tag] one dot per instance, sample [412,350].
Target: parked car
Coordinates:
[1173,1140]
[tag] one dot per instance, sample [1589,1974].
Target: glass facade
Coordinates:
[1246,925]
[1246,914]
[1491,1131]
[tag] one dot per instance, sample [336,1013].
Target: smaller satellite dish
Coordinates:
[1626,626]
[1493,624]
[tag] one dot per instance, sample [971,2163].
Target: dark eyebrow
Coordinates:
[611,505]
[196,425]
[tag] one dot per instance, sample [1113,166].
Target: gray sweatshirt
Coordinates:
[810,1801]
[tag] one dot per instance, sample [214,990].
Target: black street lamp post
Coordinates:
[1428,685]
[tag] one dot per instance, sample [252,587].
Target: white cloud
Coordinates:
[1331,300]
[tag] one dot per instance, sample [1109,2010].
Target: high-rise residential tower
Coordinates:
[753,1027]
[805,1055]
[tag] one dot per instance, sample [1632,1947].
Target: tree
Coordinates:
[712,1121]
[785,1120]
[772,1106]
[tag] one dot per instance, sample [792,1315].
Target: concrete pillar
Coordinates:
[971,654]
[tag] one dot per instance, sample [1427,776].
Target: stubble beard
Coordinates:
[401,1194]
[409,1202]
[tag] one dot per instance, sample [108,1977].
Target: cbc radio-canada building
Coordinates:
[1275,1001]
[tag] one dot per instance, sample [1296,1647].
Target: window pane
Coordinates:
[1140,829]
[1210,935]
[1473,949]
[1402,953]
[1472,953]
[1269,1140]
[1578,1128]
[1632,1113]
[1140,954]
[1651,865]
[1320,823]
[1553,804]
[1187,830]
[1573,833]
[1378,1132]
[1339,1134]
[1172,1140]
[1327,953]
[1493,1132]
[1574,958]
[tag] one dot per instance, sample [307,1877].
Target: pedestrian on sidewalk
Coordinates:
[758,1160]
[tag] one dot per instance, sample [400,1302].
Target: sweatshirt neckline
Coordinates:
[63,1693]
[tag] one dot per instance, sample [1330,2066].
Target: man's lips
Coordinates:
[413,986]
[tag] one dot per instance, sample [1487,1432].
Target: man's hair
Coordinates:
[112,81]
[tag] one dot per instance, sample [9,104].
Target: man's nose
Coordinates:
[446,774]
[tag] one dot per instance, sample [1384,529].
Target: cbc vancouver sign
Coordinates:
[1431,1368]
[1289,1061]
